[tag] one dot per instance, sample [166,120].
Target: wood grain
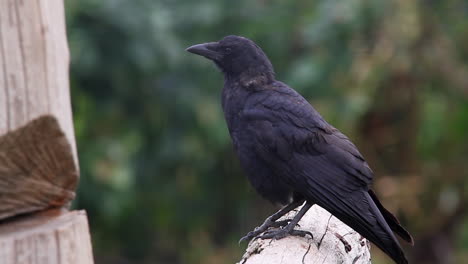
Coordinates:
[34,63]
[38,160]
[52,237]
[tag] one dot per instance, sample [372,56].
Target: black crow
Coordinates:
[291,154]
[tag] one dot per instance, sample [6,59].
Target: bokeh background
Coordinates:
[159,178]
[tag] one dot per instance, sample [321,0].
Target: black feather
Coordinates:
[392,220]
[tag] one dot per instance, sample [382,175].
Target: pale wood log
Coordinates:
[34,63]
[38,161]
[333,242]
[50,237]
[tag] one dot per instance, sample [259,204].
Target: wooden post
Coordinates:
[38,159]
[50,237]
[333,242]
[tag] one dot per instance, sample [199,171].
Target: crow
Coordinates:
[291,155]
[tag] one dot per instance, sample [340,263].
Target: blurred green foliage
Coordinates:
[160,181]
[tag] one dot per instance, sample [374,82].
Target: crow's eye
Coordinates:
[227,50]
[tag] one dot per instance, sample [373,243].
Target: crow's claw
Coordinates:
[247,237]
[265,226]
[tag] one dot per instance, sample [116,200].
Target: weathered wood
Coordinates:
[333,242]
[37,170]
[38,161]
[34,62]
[50,237]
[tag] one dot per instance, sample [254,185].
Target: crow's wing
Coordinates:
[317,161]
[285,126]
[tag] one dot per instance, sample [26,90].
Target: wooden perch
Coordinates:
[51,237]
[333,242]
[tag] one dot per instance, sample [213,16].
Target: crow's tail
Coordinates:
[362,211]
[391,220]
[386,222]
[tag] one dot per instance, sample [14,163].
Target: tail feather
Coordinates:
[360,212]
[392,221]
[389,244]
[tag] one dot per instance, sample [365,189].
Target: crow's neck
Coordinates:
[251,78]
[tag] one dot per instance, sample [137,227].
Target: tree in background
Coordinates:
[159,178]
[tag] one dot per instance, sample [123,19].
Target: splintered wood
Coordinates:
[37,170]
[47,238]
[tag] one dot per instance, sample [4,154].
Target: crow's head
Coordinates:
[236,56]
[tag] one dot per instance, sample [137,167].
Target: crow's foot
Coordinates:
[271,221]
[265,226]
[289,229]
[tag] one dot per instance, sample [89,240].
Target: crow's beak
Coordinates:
[207,50]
